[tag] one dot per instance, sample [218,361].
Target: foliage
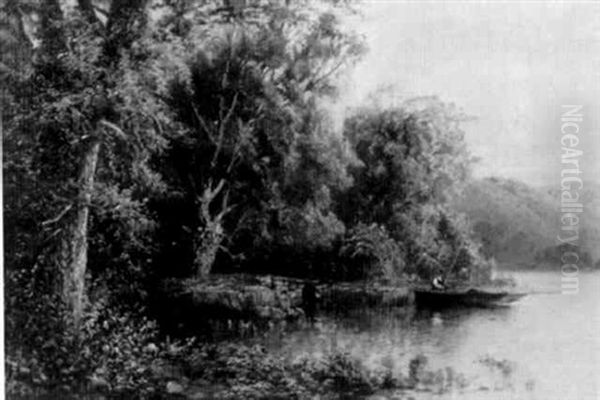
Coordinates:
[214,151]
[249,96]
[517,224]
[512,220]
[343,373]
[368,252]
[76,95]
[413,158]
[251,372]
[114,351]
[82,97]
[410,156]
[241,371]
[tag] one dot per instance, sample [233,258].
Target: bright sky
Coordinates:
[512,65]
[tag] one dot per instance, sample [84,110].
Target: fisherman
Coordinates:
[438,283]
[309,301]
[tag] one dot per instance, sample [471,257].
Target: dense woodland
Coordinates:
[517,223]
[152,140]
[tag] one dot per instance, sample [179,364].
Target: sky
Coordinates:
[510,65]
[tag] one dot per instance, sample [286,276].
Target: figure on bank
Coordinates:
[309,301]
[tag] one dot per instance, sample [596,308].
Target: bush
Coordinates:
[112,351]
[368,252]
[236,371]
[342,373]
[252,373]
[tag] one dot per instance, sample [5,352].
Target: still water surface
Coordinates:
[551,343]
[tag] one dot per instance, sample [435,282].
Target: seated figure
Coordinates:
[438,283]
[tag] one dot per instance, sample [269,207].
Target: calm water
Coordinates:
[551,343]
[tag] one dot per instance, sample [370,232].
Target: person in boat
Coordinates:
[309,301]
[438,283]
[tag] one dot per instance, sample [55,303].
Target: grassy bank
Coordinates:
[237,371]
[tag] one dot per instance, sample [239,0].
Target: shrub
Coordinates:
[250,372]
[369,252]
[112,351]
[344,373]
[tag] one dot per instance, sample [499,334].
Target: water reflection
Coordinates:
[544,347]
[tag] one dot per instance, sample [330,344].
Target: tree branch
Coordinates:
[114,128]
[326,75]
[22,32]
[222,125]
[101,11]
[203,124]
[59,216]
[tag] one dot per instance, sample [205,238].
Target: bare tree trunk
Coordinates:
[207,246]
[76,244]
[208,241]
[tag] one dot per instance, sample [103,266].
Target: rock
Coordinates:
[174,387]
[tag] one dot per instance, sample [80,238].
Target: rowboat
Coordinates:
[432,298]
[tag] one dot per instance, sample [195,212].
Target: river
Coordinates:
[546,346]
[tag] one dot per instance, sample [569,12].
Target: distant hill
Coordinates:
[518,224]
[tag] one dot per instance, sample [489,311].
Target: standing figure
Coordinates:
[309,301]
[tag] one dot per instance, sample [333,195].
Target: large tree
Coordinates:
[257,153]
[413,158]
[84,128]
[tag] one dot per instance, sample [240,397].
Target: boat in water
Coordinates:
[434,298]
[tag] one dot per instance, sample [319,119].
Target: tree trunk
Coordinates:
[211,234]
[126,23]
[75,243]
[207,247]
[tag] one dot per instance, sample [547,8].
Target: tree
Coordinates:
[255,142]
[88,120]
[15,42]
[413,157]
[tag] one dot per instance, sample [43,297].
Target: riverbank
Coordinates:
[241,302]
[229,371]
[228,318]
[236,370]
